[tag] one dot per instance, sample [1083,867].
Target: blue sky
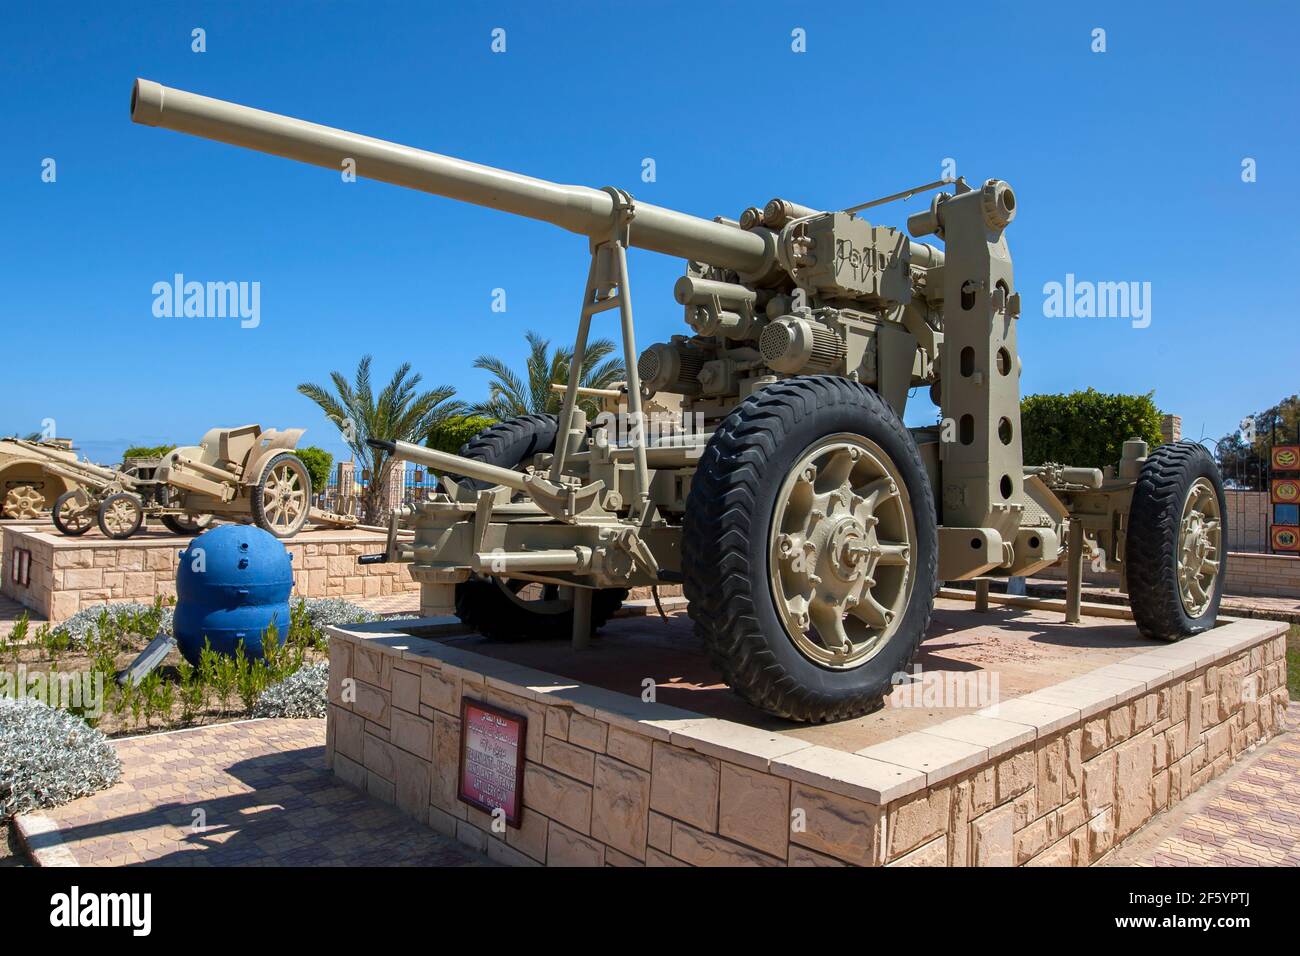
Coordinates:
[1127,165]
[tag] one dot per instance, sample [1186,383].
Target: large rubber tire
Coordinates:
[1152,542]
[264,514]
[481,603]
[87,518]
[726,541]
[510,443]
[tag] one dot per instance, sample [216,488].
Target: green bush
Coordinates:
[318,462]
[1087,429]
[450,434]
[147,451]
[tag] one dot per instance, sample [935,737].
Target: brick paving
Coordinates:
[1248,817]
[11,610]
[264,793]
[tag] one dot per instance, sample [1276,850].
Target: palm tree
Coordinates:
[512,394]
[398,413]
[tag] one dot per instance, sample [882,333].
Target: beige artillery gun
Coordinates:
[809,527]
[248,475]
[118,499]
[27,490]
[239,474]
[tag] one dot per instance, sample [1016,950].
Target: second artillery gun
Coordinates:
[117,499]
[241,474]
[809,527]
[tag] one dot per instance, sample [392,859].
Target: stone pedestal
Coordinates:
[1057,776]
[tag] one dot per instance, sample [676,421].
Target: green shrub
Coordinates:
[147,451]
[192,691]
[1086,429]
[451,433]
[318,462]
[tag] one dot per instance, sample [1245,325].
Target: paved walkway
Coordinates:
[10,611]
[262,791]
[1248,817]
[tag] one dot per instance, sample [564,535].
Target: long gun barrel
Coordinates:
[579,209]
[82,471]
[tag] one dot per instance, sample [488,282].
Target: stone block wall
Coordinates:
[70,573]
[1058,777]
[1266,575]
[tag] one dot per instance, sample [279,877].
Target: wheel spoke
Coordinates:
[894,555]
[871,612]
[830,628]
[834,469]
[871,494]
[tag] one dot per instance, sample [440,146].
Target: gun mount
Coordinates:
[808,526]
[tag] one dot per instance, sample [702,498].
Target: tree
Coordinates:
[1086,429]
[318,462]
[1244,462]
[512,394]
[399,412]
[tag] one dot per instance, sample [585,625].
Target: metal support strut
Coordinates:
[1074,573]
[581,618]
[608,287]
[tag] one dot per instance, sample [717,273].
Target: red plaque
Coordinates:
[1286,491]
[1285,537]
[492,759]
[1285,458]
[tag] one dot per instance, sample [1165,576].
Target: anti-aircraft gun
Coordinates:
[808,526]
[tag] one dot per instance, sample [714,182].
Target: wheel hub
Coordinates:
[283,496]
[1199,547]
[23,501]
[842,555]
[119,516]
